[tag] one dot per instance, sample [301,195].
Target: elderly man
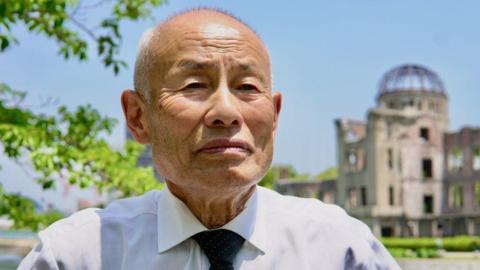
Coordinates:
[204,102]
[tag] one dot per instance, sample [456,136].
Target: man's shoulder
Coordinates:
[325,228]
[308,210]
[133,206]
[87,235]
[117,211]
[291,205]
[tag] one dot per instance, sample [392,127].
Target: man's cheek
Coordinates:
[184,111]
[261,111]
[261,124]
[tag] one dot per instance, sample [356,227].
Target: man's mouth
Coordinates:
[225,146]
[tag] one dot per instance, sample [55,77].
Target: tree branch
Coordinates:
[84,28]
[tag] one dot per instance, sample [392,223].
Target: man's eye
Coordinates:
[247,87]
[196,85]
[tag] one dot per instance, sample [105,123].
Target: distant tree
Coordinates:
[67,146]
[294,175]
[330,173]
[22,212]
[268,180]
[291,171]
[273,174]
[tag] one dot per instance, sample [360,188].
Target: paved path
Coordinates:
[16,246]
[439,264]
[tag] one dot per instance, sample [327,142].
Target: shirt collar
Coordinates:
[176,223]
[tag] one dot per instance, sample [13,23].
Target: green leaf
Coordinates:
[4,42]
[70,144]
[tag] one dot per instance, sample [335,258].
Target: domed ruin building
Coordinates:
[398,171]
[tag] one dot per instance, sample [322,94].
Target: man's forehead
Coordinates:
[195,31]
[190,37]
[211,23]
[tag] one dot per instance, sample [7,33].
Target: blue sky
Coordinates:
[328,57]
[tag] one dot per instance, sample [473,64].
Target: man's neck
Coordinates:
[213,209]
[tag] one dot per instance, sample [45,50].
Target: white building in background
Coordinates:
[395,168]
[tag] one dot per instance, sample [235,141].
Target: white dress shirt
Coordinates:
[153,231]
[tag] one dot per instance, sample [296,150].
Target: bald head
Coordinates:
[167,37]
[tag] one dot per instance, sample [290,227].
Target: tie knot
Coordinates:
[221,246]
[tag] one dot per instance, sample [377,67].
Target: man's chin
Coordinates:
[230,177]
[222,163]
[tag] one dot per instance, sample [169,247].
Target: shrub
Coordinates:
[409,253]
[409,243]
[458,243]
[461,243]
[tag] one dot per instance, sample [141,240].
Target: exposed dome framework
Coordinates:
[410,77]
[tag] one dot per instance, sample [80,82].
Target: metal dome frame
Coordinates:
[410,77]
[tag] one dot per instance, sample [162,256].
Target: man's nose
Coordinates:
[223,111]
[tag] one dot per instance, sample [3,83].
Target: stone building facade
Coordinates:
[461,207]
[393,167]
[325,190]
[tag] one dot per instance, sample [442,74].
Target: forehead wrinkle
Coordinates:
[191,65]
[248,64]
[197,51]
[236,45]
[186,63]
[225,45]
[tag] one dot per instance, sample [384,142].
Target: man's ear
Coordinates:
[135,115]
[277,104]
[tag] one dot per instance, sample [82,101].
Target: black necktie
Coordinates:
[220,246]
